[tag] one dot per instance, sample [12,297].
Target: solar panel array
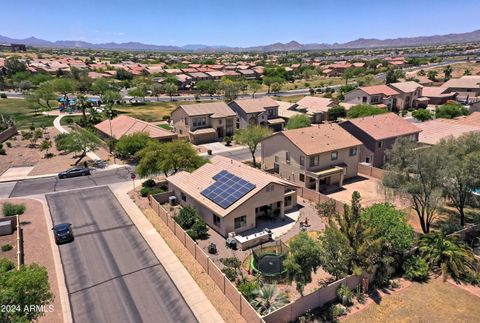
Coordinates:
[227,189]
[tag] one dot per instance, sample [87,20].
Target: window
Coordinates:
[186,121]
[334,155]
[219,121]
[380,144]
[241,221]
[364,99]
[183,197]
[302,160]
[288,200]
[287,157]
[276,158]
[200,122]
[271,113]
[302,178]
[270,188]
[216,220]
[315,160]
[353,151]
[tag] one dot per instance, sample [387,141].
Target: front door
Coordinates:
[220,132]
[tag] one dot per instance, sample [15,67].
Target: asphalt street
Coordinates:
[111,273]
[54,184]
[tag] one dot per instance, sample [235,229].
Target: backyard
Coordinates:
[434,301]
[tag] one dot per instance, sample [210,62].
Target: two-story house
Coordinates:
[259,111]
[378,133]
[381,95]
[318,157]
[204,122]
[409,95]
[315,107]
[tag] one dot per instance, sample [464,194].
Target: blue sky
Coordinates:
[234,22]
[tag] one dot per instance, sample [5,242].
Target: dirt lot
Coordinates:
[21,155]
[434,301]
[370,190]
[37,249]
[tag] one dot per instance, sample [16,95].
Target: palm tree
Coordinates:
[83,104]
[268,299]
[449,254]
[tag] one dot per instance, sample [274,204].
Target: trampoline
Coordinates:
[267,260]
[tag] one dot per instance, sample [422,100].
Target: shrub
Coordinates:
[228,140]
[199,230]
[49,155]
[7,247]
[186,218]
[68,120]
[345,295]
[10,209]
[9,144]
[332,312]
[230,273]
[247,288]
[6,265]
[231,262]
[415,268]
[144,191]
[1,145]
[2,152]
[149,183]
[3,95]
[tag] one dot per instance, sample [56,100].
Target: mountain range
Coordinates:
[360,43]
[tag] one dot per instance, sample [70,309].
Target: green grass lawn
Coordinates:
[23,116]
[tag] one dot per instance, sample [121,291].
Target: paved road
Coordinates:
[111,273]
[54,184]
[241,154]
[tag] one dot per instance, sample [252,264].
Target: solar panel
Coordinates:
[227,189]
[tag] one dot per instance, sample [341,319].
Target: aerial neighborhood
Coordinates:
[277,183]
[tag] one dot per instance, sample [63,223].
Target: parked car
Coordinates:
[63,233]
[75,171]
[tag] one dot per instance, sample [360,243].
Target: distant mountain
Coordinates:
[290,46]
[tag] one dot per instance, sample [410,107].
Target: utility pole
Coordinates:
[20,260]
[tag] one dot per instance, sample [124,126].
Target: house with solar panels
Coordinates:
[230,195]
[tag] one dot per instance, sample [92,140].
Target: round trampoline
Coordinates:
[267,260]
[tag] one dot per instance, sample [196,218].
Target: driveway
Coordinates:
[111,273]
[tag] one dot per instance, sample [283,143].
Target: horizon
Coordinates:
[218,24]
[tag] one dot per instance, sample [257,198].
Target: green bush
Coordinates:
[144,191]
[2,152]
[247,288]
[230,273]
[345,295]
[7,247]
[332,312]
[9,144]
[149,183]
[415,268]
[68,120]
[3,95]
[10,209]
[199,230]
[6,265]
[231,262]
[186,218]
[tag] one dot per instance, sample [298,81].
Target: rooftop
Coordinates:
[125,125]
[215,109]
[256,105]
[468,81]
[433,131]
[406,87]
[378,89]
[321,138]
[315,104]
[386,125]
[195,182]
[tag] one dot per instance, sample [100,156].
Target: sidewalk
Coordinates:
[191,292]
[61,129]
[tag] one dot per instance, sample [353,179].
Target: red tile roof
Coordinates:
[125,125]
[378,89]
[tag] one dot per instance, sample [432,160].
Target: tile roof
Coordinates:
[436,92]
[284,110]
[256,105]
[472,119]
[215,109]
[386,125]
[406,87]
[435,130]
[195,182]
[468,82]
[315,104]
[320,138]
[378,89]
[125,125]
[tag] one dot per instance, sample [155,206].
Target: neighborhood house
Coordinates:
[230,195]
[260,111]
